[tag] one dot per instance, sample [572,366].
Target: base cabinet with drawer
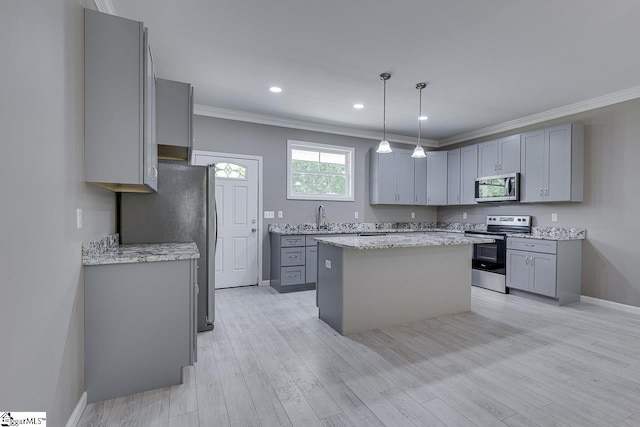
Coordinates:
[547,268]
[294,261]
[289,257]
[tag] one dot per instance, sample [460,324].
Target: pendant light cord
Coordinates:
[420,115]
[384,109]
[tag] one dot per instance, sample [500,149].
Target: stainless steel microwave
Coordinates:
[498,188]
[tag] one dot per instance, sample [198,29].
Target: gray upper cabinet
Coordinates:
[499,157]
[120,145]
[453,180]
[462,169]
[436,177]
[420,181]
[468,174]
[174,102]
[553,164]
[391,178]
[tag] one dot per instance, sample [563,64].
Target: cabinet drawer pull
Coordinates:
[293,256]
[530,245]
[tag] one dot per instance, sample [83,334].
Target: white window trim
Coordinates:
[350,172]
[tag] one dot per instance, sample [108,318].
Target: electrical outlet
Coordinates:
[413,215]
[554,217]
[79,218]
[356,214]
[327,264]
[269,214]
[464,215]
[279,214]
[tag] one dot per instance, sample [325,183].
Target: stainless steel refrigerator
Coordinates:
[182,210]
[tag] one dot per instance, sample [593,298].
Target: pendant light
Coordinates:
[383,146]
[418,152]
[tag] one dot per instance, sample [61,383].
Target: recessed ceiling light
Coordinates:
[423,118]
[275,89]
[358,106]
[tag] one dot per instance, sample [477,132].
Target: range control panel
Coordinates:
[520,220]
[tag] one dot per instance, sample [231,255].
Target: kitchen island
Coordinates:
[371,282]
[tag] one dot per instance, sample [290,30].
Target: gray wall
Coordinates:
[41,170]
[611,252]
[270,142]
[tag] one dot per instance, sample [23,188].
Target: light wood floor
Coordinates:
[510,361]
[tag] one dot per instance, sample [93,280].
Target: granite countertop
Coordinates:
[400,241]
[286,229]
[553,233]
[107,251]
[543,233]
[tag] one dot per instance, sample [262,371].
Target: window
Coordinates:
[319,171]
[230,171]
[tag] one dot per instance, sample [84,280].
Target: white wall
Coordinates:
[611,252]
[41,170]
[270,142]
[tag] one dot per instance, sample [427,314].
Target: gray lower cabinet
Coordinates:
[120,151]
[294,261]
[288,263]
[545,267]
[140,326]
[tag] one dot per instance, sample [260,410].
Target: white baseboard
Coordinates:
[610,304]
[77,411]
[265,283]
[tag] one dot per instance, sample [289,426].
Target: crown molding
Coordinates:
[223,113]
[105,6]
[556,113]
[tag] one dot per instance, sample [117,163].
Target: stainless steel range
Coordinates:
[489,259]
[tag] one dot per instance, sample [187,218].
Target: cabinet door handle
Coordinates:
[546,191]
[540,191]
[526,260]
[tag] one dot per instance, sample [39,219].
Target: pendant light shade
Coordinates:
[418,152]
[383,146]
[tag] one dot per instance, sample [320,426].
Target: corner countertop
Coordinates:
[537,232]
[412,240]
[107,251]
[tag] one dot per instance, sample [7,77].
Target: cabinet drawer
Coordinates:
[286,241]
[532,245]
[292,256]
[292,275]
[311,241]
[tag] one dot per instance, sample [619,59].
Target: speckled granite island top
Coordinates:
[107,251]
[537,232]
[400,241]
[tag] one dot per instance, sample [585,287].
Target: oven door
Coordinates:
[490,257]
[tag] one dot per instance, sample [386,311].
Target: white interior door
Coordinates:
[237,205]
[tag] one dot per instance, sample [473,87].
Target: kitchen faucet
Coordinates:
[320,215]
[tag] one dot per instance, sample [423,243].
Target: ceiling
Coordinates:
[487,62]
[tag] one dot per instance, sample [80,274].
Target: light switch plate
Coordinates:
[79,218]
[327,264]
[554,217]
[269,214]
[464,215]
[413,215]
[356,214]
[279,214]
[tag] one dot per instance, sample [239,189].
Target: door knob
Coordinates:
[253,230]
